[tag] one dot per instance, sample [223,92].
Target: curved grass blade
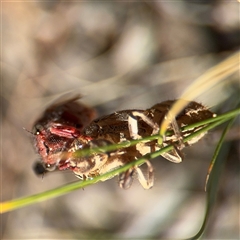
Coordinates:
[212,187]
[202,84]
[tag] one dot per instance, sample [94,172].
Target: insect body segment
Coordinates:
[58,139]
[57,131]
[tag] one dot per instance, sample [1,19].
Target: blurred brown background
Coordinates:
[117,55]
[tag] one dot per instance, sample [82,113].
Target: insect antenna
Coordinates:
[28,131]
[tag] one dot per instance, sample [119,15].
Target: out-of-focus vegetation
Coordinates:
[118,56]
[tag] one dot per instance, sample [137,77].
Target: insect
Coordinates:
[56,131]
[58,138]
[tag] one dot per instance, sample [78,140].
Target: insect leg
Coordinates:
[148,182]
[177,132]
[174,155]
[133,127]
[133,124]
[126,179]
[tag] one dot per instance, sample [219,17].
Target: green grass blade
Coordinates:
[212,187]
